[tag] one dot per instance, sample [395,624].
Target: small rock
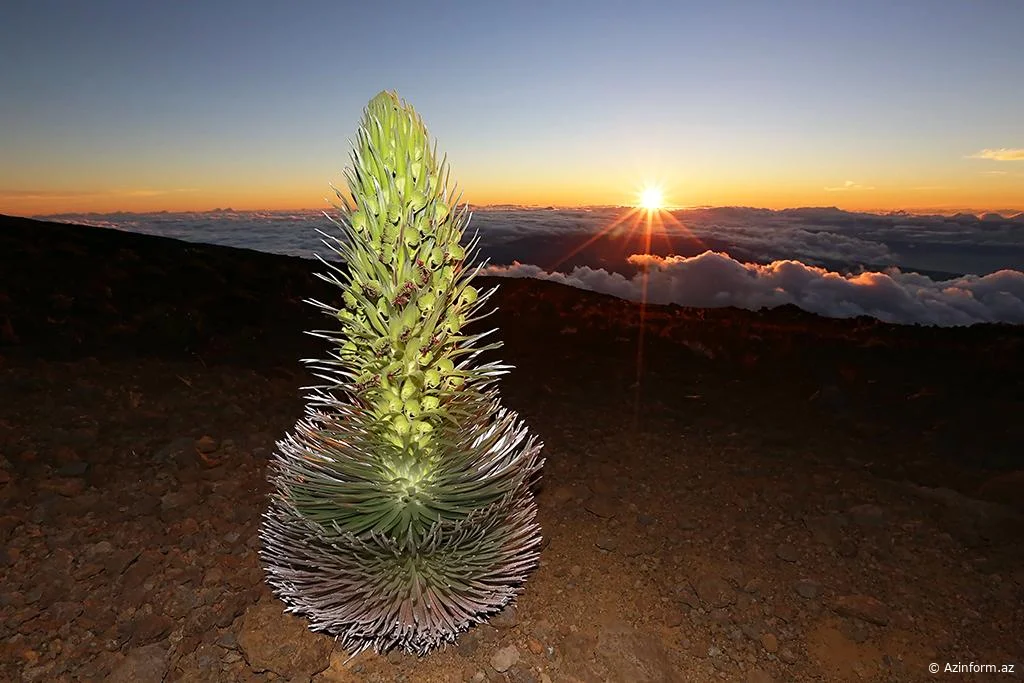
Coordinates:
[73,469]
[174,500]
[505,619]
[608,543]
[65,486]
[176,451]
[504,658]
[867,515]
[521,674]
[759,676]
[770,642]
[206,444]
[87,571]
[101,548]
[64,612]
[862,607]
[787,552]
[116,562]
[227,640]
[688,596]
[468,643]
[826,530]
[807,588]
[854,629]
[788,656]
[687,524]
[720,616]
[714,591]
[273,640]
[147,663]
[213,576]
[150,628]
[847,548]
[603,506]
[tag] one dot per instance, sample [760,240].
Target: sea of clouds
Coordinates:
[898,267]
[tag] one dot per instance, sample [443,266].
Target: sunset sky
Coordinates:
[111,105]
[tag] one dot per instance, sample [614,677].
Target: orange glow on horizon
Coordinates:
[1004,196]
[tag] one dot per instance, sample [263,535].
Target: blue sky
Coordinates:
[185,105]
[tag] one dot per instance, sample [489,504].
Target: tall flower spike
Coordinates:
[402,512]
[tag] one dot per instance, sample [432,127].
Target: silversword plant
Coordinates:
[402,510]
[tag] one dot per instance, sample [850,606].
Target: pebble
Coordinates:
[862,607]
[787,552]
[714,591]
[807,588]
[505,619]
[866,515]
[603,506]
[504,658]
[206,444]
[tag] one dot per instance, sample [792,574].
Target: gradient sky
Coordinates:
[128,105]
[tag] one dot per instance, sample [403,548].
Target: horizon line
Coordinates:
[1004,212]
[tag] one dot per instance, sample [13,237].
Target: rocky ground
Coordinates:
[778,497]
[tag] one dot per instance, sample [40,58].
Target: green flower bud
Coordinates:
[408,390]
[417,200]
[401,424]
[426,301]
[411,408]
[440,211]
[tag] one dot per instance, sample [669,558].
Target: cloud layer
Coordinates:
[714,280]
[825,260]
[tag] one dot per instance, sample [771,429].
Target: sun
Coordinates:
[651,199]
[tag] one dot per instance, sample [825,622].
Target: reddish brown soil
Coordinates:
[779,497]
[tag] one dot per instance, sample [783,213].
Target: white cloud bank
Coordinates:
[714,280]
[797,249]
